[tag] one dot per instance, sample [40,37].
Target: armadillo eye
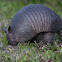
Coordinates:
[9,29]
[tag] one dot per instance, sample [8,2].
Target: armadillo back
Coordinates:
[39,17]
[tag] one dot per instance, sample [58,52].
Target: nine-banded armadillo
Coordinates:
[32,20]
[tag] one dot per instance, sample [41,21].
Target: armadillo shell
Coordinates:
[39,17]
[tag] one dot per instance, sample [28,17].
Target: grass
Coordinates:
[29,52]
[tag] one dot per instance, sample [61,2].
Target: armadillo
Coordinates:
[32,20]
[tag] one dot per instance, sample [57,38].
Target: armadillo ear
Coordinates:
[9,29]
[5,30]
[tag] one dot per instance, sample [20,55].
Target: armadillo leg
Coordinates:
[37,38]
[49,38]
[60,34]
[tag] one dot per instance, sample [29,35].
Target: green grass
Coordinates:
[29,52]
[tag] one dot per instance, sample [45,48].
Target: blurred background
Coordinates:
[8,8]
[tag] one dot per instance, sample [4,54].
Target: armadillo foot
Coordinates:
[49,38]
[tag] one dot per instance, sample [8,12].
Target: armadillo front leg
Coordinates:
[49,38]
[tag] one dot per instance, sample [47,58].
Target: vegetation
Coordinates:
[36,52]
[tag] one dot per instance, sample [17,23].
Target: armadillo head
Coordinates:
[10,36]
